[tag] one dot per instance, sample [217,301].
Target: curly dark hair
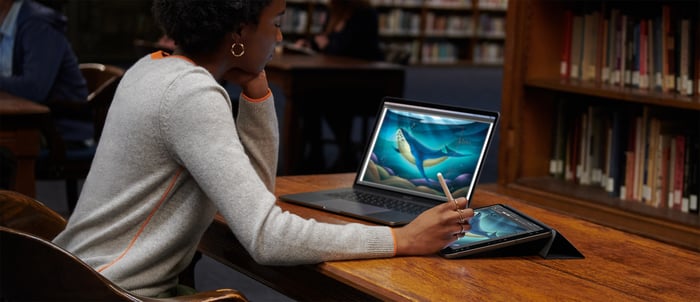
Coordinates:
[198,26]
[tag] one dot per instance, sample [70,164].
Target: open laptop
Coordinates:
[411,142]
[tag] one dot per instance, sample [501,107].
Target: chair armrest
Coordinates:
[225,294]
[23,213]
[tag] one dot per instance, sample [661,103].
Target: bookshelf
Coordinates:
[429,32]
[540,89]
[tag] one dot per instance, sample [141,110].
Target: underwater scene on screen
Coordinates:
[488,224]
[411,148]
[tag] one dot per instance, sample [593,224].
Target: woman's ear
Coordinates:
[241,33]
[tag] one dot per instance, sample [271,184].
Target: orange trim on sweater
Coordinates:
[162,54]
[145,223]
[258,100]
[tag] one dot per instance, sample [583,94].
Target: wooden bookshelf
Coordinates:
[533,86]
[431,32]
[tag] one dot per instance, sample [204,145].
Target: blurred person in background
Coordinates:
[351,30]
[37,63]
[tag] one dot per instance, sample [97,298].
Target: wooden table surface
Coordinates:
[618,266]
[20,122]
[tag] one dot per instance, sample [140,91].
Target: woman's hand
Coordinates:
[252,85]
[321,41]
[434,229]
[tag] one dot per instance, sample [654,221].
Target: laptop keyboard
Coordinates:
[381,201]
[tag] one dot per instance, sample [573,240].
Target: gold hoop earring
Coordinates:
[233,49]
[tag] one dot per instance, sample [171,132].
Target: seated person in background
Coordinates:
[38,63]
[172,156]
[351,30]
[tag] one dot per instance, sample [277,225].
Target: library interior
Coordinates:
[598,138]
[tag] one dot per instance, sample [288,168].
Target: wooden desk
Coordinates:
[20,122]
[308,80]
[618,266]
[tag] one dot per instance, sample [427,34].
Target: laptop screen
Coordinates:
[412,142]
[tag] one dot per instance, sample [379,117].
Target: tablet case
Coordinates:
[554,247]
[557,247]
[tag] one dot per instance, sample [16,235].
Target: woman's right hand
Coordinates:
[434,229]
[252,85]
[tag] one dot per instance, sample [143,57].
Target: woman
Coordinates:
[171,156]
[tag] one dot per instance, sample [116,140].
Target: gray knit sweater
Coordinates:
[170,157]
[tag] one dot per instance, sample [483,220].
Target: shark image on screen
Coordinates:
[411,148]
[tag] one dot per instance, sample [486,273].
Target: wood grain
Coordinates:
[618,266]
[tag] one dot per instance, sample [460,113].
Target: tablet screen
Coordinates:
[497,226]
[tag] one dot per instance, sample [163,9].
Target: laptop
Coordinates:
[411,142]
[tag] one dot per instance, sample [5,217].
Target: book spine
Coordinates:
[679,171]
[565,67]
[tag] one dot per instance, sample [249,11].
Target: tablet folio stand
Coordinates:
[554,247]
[557,247]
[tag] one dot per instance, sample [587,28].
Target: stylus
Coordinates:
[444,188]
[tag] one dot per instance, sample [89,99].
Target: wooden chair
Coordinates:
[22,213]
[35,269]
[59,161]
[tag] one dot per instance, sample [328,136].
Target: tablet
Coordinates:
[494,227]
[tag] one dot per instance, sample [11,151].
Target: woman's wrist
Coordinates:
[249,98]
[256,88]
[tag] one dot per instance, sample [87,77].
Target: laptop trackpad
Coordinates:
[340,205]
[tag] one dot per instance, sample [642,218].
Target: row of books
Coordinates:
[451,25]
[402,52]
[439,52]
[655,50]
[399,22]
[493,4]
[430,3]
[488,53]
[296,20]
[641,156]
[402,22]
[491,25]
[487,4]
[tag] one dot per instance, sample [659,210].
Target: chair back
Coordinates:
[102,81]
[34,269]
[20,212]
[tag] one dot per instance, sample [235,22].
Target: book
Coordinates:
[652,131]
[556,167]
[631,53]
[685,194]
[614,47]
[658,53]
[635,55]
[577,34]
[669,82]
[679,171]
[643,81]
[663,181]
[565,67]
[631,159]
[683,86]
[617,155]
[589,53]
[694,183]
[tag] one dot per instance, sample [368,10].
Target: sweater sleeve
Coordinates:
[198,127]
[259,133]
